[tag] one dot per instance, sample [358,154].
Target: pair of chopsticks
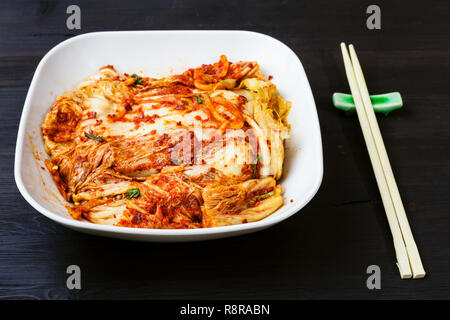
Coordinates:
[408,258]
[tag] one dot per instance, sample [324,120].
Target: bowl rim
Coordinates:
[76,224]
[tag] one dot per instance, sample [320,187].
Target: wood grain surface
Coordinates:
[321,252]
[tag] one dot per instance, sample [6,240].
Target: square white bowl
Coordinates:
[157,54]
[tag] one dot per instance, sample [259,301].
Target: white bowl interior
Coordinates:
[157,54]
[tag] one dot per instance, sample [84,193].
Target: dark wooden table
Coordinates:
[322,252]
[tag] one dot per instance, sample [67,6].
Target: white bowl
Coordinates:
[156,54]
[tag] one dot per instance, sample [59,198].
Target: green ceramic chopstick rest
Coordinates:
[382,103]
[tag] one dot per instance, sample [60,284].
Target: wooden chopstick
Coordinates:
[411,247]
[399,245]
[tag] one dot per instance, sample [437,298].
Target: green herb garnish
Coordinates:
[133,193]
[90,136]
[264,196]
[199,99]
[255,166]
[137,79]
